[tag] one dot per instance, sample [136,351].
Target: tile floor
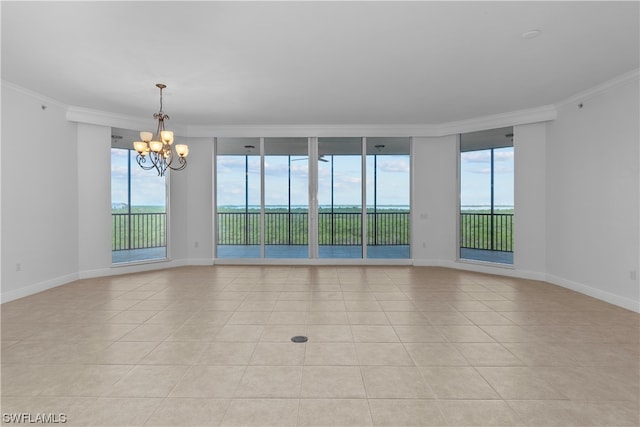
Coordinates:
[393,346]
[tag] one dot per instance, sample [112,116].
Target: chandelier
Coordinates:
[155,151]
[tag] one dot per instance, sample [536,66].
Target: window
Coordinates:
[388,197]
[486,196]
[138,210]
[238,176]
[306,197]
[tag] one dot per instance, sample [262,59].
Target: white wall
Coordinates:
[39,194]
[200,223]
[435,204]
[592,195]
[529,228]
[94,194]
[576,179]
[192,205]
[435,200]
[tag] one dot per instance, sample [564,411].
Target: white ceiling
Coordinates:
[236,63]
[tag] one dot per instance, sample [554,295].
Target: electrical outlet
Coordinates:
[18,266]
[196,244]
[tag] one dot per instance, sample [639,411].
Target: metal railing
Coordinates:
[138,231]
[477,230]
[334,228]
[492,232]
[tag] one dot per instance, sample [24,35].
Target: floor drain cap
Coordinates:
[299,338]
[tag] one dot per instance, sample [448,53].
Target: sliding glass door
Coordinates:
[305,197]
[286,198]
[388,197]
[340,198]
[238,194]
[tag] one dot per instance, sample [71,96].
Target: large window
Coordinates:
[486,196]
[286,198]
[238,196]
[138,210]
[340,197]
[388,197]
[305,197]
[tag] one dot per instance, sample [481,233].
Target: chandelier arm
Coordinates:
[163,167]
[182,161]
[142,160]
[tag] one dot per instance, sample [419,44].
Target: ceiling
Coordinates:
[268,63]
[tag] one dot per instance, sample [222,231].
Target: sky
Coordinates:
[475,177]
[392,178]
[147,188]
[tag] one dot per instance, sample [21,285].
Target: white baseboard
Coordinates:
[37,287]
[131,268]
[509,271]
[614,299]
[200,261]
[480,267]
[609,297]
[143,266]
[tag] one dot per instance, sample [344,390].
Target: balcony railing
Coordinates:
[291,228]
[492,232]
[138,231]
[477,230]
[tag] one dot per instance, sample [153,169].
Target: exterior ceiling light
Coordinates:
[155,151]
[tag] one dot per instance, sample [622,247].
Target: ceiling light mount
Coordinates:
[156,151]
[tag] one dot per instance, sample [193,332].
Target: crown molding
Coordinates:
[103,118]
[42,98]
[533,115]
[347,130]
[622,79]
[513,118]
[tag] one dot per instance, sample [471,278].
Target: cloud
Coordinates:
[393,166]
[479,162]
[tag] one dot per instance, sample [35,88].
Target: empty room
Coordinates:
[299,213]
